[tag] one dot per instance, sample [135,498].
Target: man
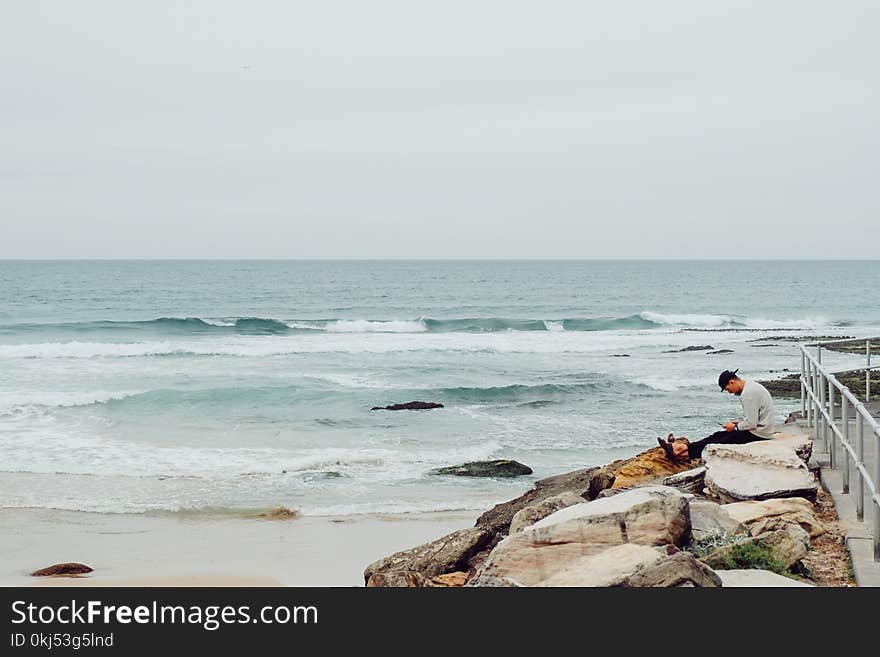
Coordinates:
[757,423]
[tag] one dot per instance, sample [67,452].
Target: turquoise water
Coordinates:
[217,386]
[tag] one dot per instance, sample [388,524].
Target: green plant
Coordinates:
[705,546]
[752,556]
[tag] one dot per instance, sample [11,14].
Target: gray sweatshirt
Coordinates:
[758,411]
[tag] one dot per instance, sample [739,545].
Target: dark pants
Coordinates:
[735,437]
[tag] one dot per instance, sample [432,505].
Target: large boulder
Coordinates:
[767,515]
[496,468]
[654,515]
[756,471]
[788,546]
[634,565]
[710,519]
[650,466]
[535,512]
[586,483]
[611,567]
[445,555]
[756,578]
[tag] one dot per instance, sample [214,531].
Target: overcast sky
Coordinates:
[403,129]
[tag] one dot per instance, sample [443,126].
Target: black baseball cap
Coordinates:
[726,376]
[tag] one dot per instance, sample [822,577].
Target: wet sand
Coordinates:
[169,550]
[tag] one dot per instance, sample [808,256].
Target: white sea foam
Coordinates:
[802,323]
[13,402]
[700,321]
[553,326]
[367,326]
[732,321]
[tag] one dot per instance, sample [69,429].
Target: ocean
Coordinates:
[228,387]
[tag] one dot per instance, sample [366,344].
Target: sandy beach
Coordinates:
[169,550]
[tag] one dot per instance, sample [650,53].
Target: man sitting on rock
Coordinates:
[757,423]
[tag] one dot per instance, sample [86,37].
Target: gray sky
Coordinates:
[447,129]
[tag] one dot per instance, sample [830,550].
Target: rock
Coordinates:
[710,519]
[610,567]
[587,483]
[535,512]
[279,513]
[398,578]
[409,406]
[800,442]
[654,515]
[756,578]
[70,568]
[766,515]
[789,545]
[632,565]
[794,416]
[458,578]
[787,386]
[681,569]
[720,351]
[756,471]
[689,481]
[621,355]
[650,466]
[702,347]
[411,579]
[445,555]
[497,468]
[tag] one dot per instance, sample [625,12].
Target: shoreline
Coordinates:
[139,550]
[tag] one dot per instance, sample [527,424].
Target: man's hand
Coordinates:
[730,426]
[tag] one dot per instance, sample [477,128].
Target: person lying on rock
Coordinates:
[757,423]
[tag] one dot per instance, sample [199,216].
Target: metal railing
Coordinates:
[819,387]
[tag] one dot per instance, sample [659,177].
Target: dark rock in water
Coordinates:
[702,347]
[409,406]
[720,351]
[620,355]
[498,468]
[764,345]
[790,386]
[62,569]
[787,386]
[804,338]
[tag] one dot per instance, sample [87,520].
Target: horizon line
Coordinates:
[437,259]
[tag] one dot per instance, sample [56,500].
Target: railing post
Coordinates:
[803,385]
[868,372]
[808,377]
[874,504]
[860,450]
[832,449]
[844,419]
[823,422]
